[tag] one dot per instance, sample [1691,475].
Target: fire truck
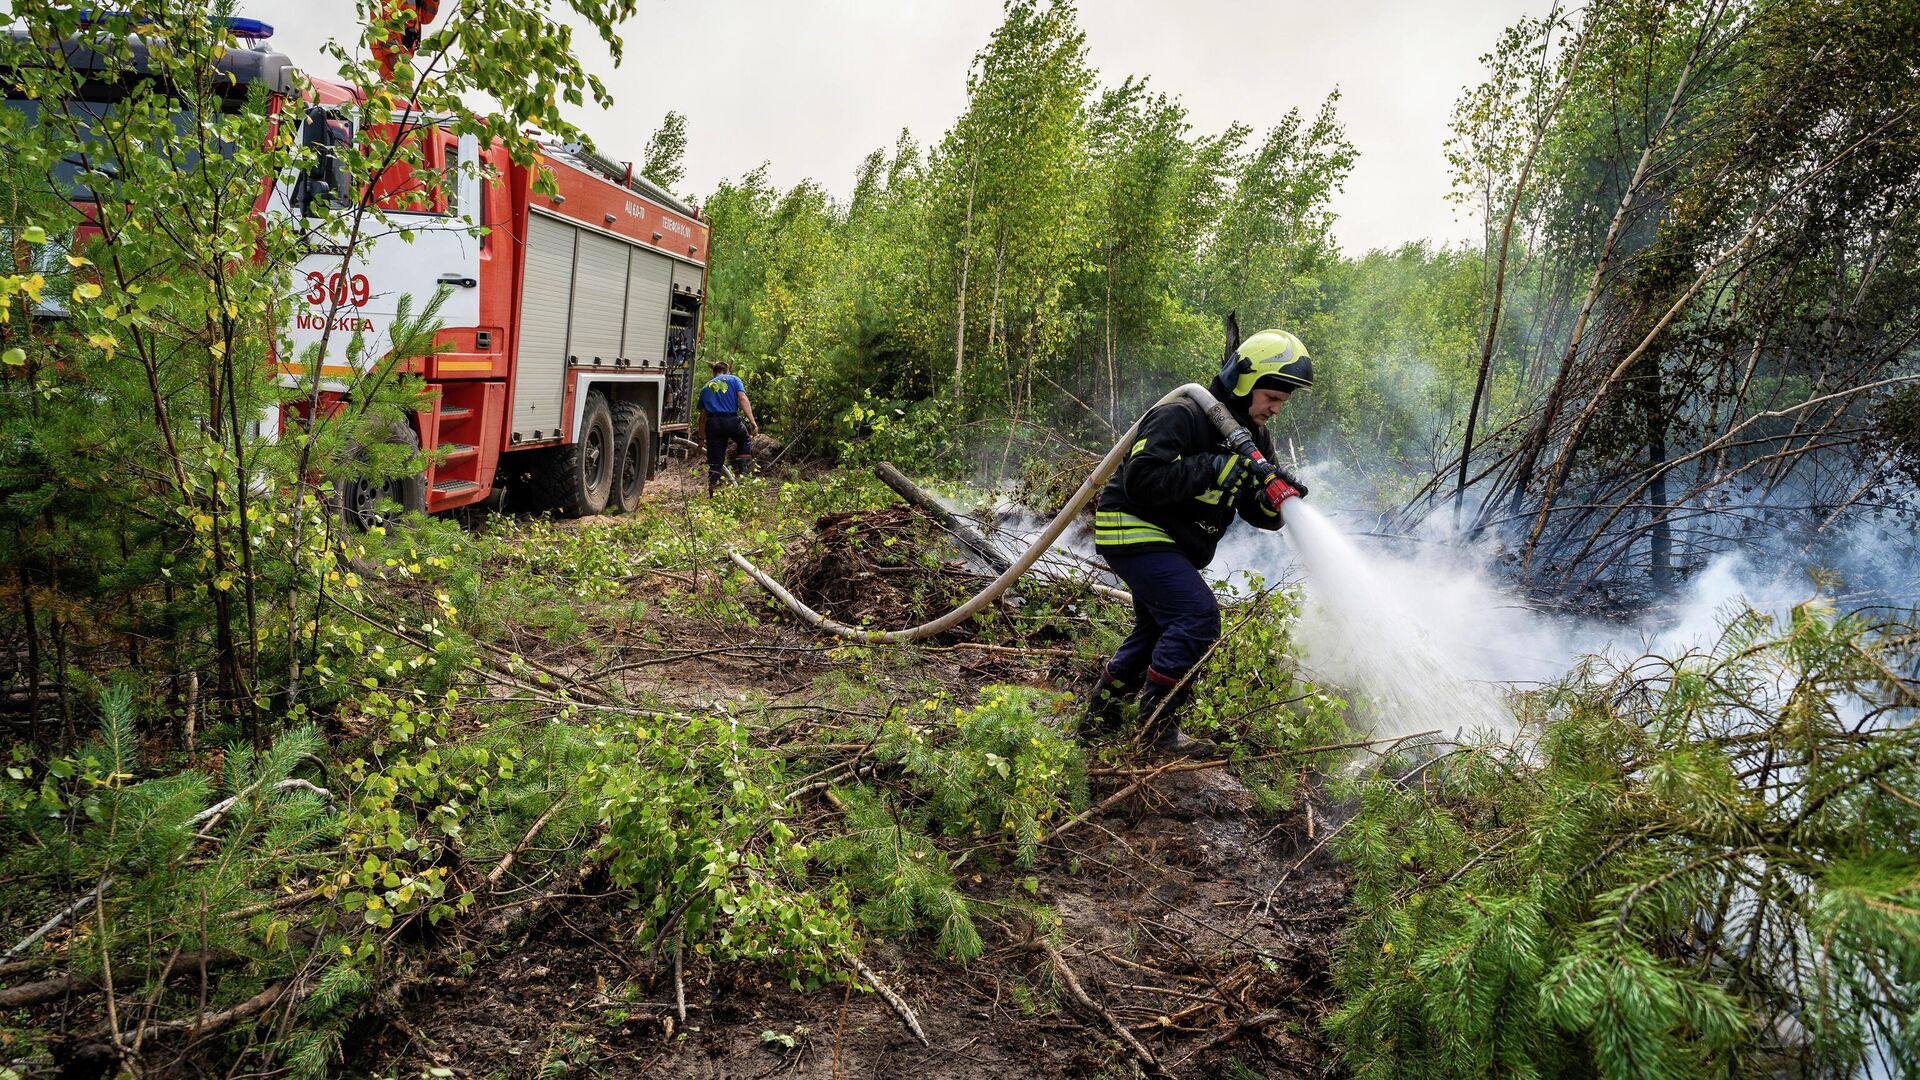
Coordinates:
[570,325]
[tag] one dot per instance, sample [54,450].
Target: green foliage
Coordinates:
[1060,250]
[693,826]
[664,161]
[152,848]
[905,876]
[1005,769]
[1002,772]
[143,325]
[1695,870]
[1249,695]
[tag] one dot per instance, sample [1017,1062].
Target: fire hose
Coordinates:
[1238,442]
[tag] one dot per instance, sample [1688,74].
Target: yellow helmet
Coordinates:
[1269,360]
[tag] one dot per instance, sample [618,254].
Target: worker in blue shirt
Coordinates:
[726,417]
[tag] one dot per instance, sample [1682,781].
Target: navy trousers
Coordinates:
[1175,616]
[723,430]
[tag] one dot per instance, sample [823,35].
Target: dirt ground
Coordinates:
[1162,901]
[1160,922]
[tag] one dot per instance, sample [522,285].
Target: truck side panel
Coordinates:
[600,299]
[649,284]
[545,307]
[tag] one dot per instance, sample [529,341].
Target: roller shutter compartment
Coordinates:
[545,310]
[600,299]
[687,277]
[649,281]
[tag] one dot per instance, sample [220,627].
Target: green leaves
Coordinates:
[664,161]
[1641,889]
[690,819]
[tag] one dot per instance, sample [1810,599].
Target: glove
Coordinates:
[1243,471]
[1262,471]
[1233,471]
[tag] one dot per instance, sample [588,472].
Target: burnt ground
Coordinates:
[1157,901]
[1160,901]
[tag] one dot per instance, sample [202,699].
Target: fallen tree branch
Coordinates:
[278,903]
[967,535]
[59,917]
[1082,816]
[1139,1050]
[1254,1022]
[506,862]
[679,986]
[45,990]
[893,1000]
[16,968]
[259,1002]
[1008,650]
[805,790]
[227,803]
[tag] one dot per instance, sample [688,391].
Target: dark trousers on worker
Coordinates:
[1175,617]
[724,430]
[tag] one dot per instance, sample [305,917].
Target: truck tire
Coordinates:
[358,500]
[633,434]
[575,480]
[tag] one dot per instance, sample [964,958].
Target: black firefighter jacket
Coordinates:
[1166,495]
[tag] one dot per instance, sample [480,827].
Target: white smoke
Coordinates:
[1424,634]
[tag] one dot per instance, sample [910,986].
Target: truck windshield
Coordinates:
[92,150]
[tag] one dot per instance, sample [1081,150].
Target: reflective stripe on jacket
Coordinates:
[1168,495]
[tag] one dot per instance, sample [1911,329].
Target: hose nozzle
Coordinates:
[1278,490]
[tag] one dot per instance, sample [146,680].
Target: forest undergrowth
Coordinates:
[548,723]
[535,713]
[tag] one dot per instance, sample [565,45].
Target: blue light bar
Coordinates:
[252,29]
[248,29]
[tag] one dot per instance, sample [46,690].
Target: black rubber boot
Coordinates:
[1106,703]
[1162,731]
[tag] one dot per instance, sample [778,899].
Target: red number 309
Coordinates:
[340,289]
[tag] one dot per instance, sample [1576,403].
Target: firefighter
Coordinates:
[726,417]
[1161,515]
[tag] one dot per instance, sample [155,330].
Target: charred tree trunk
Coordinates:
[1660,536]
[1491,341]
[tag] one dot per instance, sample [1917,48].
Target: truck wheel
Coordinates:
[362,502]
[633,434]
[575,479]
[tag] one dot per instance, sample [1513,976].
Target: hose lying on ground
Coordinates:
[1215,411]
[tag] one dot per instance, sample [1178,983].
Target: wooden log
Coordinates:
[59,986]
[968,536]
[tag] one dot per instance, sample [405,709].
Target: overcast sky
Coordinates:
[813,87]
